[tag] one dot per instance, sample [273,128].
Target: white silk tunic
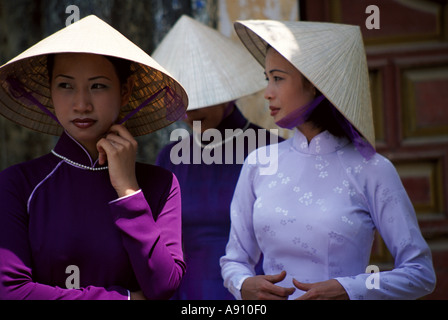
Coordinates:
[315,218]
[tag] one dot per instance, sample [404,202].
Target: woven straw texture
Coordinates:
[90,35]
[331,56]
[212,68]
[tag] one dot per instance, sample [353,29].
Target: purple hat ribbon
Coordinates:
[173,112]
[300,115]
[18,92]
[361,144]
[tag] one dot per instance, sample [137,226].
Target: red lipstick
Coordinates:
[83,123]
[274,110]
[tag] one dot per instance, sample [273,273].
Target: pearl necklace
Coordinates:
[221,142]
[78,164]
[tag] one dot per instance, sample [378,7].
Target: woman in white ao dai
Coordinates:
[314,218]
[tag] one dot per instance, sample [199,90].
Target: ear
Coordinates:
[126,91]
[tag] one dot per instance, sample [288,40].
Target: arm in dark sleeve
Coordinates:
[154,245]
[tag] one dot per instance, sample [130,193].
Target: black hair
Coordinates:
[122,67]
[326,117]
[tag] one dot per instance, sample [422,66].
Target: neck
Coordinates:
[93,151]
[77,151]
[309,130]
[89,147]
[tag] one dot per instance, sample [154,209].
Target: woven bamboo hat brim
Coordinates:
[212,68]
[329,55]
[90,35]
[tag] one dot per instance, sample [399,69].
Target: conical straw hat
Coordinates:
[331,56]
[212,68]
[89,35]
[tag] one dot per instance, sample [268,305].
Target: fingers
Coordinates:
[275,293]
[120,130]
[325,290]
[302,286]
[120,136]
[118,139]
[119,149]
[277,290]
[274,278]
[104,148]
[309,294]
[263,287]
[102,156]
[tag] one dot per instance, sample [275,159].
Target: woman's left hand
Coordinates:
[325,290]
[119,149]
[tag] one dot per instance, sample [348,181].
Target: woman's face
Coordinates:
[210,117]
[87,95]
[287,89]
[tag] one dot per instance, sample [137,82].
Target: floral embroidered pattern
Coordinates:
[307,198]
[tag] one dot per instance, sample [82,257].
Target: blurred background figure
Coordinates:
[215,72]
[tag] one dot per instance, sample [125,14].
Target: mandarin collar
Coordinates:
[71,149]
[323,143]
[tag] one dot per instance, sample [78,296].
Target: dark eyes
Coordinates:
[275,78]
[65,85]
[98,86]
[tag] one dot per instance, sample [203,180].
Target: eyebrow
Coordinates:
[276,70]
[90,79]
[63,76]
[99,77]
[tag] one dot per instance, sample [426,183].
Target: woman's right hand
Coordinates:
[263,288]
[119,149]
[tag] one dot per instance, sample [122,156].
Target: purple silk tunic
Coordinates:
[55,214]
[207,190]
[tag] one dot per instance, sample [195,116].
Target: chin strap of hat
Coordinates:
[17,91]
[361,144]
[300,115]
[172,101]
